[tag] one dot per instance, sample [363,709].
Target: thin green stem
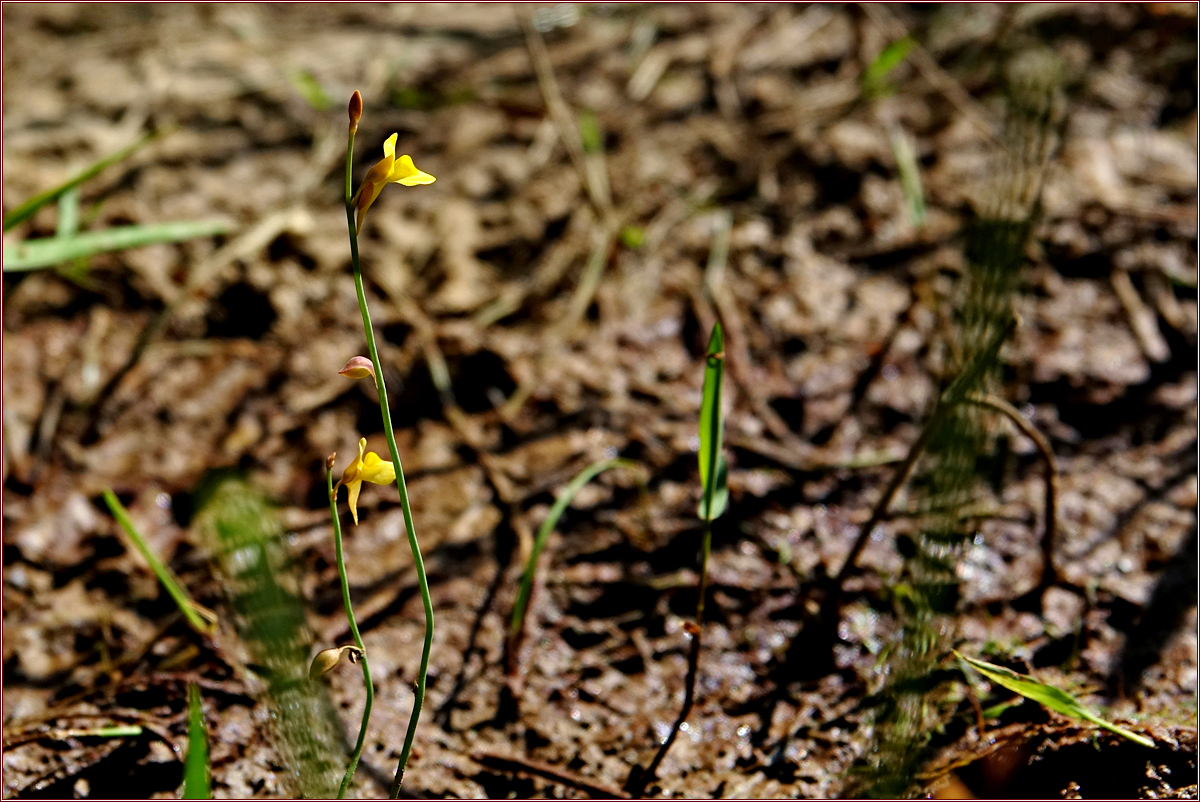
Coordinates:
[410,529]
[710,458]
[366,668]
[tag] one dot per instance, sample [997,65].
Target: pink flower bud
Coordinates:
[358,367]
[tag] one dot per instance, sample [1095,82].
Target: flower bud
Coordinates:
[327,659]
[329,461]
[355,110]
[358,367]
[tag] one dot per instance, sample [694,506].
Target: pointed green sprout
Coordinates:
[874,78]
[712,425]
[715,498]
[197,780]
[1047,695]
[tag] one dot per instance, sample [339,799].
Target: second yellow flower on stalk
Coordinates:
[368,467]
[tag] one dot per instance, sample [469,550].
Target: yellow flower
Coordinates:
[369,468]
[389,169]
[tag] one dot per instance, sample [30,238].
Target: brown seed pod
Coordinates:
[355,110]
[327,659]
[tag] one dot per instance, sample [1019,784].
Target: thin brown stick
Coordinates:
[880,511]
[595,182]
[1049,572]
[639,780]
[552,773]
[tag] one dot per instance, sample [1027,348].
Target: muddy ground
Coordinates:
[733,165]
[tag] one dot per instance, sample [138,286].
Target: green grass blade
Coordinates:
[589,133]
[910,176]
[874,77]
[197,782]
[311,90]
[68,214]
[30,207]
[1057,700]
[539,543]
[166,576]
[51,251]
[713,470]
[236,525]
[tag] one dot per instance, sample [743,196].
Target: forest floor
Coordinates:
[540,312]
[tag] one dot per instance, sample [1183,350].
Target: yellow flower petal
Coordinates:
[387,169]
[377,470]
[366,468]
[372,185]
[406,173]
[351,472]
[352,489]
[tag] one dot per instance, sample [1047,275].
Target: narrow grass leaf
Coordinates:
[560,505]
[713,470]
[1057,700]
[235,523]
[31,206]
[197,780]
[910,176]
[203,622]
[311,90]
[874,77]
[589,133]
[51,251]
[68,214]
[999,709]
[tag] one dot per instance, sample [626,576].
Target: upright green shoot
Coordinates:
[197,780]
[713,474]
[874,81]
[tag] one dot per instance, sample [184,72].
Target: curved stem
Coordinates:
[714,375]
[418,562]
[1049,572]
[366,668]
[689,687]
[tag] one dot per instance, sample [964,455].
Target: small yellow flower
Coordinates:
[369,468]
[387,170]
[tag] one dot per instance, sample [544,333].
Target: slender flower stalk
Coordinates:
[362,651]
[418,562]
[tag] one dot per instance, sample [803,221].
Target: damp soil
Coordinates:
[546,304]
